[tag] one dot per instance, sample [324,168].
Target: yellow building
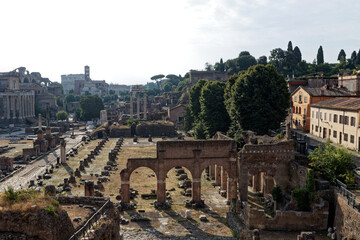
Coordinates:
[303,96]
[337,120]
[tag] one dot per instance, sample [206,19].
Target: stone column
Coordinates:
[196,190]
[33,105]
[212,171]
[138,105]
[13,108]
[89,188]
[131,105]
[62,150]
[224,178]
[231,189]
[145,105]
[243,183]
[8,107]
[21,109]
[125,192]
[161,190]
[256,183]
[217,175]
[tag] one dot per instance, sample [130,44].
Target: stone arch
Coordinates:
[26,80]
[168,178]
[193,155]
[149,181]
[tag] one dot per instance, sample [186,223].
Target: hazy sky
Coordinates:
[127,42]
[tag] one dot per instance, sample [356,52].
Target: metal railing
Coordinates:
[350,196]
[83,231]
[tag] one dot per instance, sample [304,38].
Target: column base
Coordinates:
[193,204]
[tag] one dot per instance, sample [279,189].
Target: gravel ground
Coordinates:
[148,235]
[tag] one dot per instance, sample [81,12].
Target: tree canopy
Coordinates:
[61,115]
[320,56]
[91,106]
[258,99]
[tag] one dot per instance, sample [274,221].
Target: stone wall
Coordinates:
[120,131]
[347,219]
[288,220]
[156,129]
[37,224]
[97,201]
[6,163]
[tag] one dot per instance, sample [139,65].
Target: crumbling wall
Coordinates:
[289,220]
[156,129]
[6,163]
[120,131]
[347,219]
[37,224]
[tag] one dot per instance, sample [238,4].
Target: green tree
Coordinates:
[278,58]
[157,79]
[91,106]
[245,60]
[341,56]
[77,114]
[357,61]
[194,99]
[320,56]
[262,60]
[290,47]
[331,161]
[61,115]
[199,130]
[297,54]
[209,67]
[219,66]
[59,101]
[213,112]
[259,99]
[188,119]
[353,57]
[70,98]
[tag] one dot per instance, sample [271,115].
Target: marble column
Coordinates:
[145,103]
[13,107]
[20,107]
[33,104]
[131,105]
[138,105]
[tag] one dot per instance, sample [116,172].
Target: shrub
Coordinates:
[11,195]
[130,121]
[277,193]
[55,203]
[302,198]
[310,184]
[50,210]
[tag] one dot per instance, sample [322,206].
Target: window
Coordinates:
[295,98]
[320,129]
[346,136]
[329,117]
[329,132]
[299,110]
[304,111]
[341,119]
[316,128]
[312,114]
[346,120]
[320,115]
[352,138]
[335,134]
[335,118]
[325,116]
[352,121]
[305,99]
[300,97]
[317,115]
[312,127]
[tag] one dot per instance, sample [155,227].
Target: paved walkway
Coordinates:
[31,171]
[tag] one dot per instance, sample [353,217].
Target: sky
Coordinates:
[127,42]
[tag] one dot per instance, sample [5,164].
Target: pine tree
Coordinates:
[357,61]
[353,56]
[320,56]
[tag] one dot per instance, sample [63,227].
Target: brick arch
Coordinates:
[272,159]
[193,155]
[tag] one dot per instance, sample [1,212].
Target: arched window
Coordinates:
[300,97]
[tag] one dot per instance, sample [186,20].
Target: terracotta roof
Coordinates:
[324,92]
[342,103]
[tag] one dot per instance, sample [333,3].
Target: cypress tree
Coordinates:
[290,47]
[320,56]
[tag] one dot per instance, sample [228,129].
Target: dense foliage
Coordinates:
[61,115]
[332,162]
[91,106]
[257,99]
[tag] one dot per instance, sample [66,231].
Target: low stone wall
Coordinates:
[347,219]
[6,163]
[156,129]
[95,201]
[289,220]
[37,224]
[120,131]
